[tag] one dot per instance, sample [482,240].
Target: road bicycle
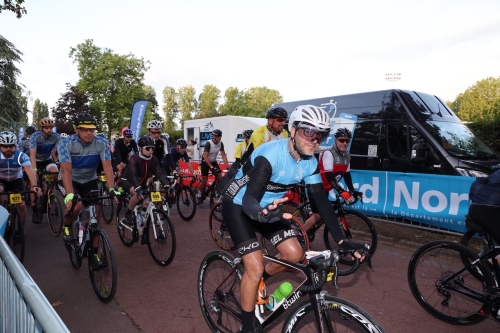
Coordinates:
[211,190]
[49,203]
[107,206]
[453,283]
[181,195]
[155,227]
[219,294]
[90,241]
[14,232]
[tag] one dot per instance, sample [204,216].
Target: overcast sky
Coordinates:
[304,49]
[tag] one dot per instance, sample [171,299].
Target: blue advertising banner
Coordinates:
[138,112]
[21,134]
[436,200]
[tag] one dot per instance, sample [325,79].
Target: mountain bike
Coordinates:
[153,224]
[107,206]
[219,294]
[183,196]
[14,231]
[49,203]
[91,241]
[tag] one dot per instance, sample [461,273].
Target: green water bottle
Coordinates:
[283,291]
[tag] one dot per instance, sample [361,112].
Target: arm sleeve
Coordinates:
[348,181]
[260,174]
[318,195]
[134,171]
[135,149]
[327,160]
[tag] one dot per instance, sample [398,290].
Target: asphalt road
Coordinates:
[151,298]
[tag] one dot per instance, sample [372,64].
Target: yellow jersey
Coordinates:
[262,135]
[241,148]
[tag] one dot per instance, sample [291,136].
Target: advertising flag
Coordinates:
[137,117]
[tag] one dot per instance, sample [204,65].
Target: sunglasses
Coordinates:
[8,146]
[311,135]
[128,136]
[155,132]
[280,120]
[218,136]
[182,147]
[344,140]
[149,148]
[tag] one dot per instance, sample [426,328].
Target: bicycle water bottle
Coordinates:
[140,220]
[283,291]
[80,234]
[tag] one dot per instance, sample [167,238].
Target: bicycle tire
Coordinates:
[126,235]
[219,291]
[162,247]
[477,244]
[218,229]
[214,194]
[102,270]
[362,229]
[40,203]
[428,268]
[55,216]
[107,206]
[294,208]
[338,315]
[14,234]
[300,232]
[186,203]
[27,196]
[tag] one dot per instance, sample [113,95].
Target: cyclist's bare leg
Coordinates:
[311,221]
[68,220]
[290,250]
[254,268]
[23,211]
[134,200]
[201,187]
[53,168]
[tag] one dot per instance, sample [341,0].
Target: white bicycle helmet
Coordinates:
[310,115]
[155,124]
[166,135]
[8,138]
[64,135]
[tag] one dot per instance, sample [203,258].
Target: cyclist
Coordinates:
[209,161]
[79,156]
[190,148]
[179,152]
[161,143]
[251,200]
[124,148]
[43,154]
[273,130]
[24,146]
[242,147]
[138,172]
[12,161]
[333,165]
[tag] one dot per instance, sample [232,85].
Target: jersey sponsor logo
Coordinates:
[299,174]
[292,299]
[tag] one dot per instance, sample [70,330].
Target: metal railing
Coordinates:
[23,307]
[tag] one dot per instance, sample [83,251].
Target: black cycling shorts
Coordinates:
[84,189]
[242,229]
[487,218]
[205,168]
[16,185]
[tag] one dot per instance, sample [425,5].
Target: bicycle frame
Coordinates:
[82,250]
[150,205]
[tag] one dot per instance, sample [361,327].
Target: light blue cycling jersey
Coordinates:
[12,168]
[44,146]
[84,159]
[286,172]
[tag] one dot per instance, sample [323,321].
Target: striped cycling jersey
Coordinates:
[24,146]
[84,158]
[213,150]
[12,168]
[44,146]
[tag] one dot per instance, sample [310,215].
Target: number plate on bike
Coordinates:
[155,196]
[48,178]
[102,178]
[15,198]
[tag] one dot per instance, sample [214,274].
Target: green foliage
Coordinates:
[40,110]
[187,104]
[209,101]
[151,110]
[253,102]
[488,129]
[14,6]
[170,108]
[474,103]
[70,104]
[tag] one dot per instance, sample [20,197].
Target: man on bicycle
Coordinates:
[242,147]
[209,161]
[79,156]
[138,173]
[12,163]
[179,153]
[24,146]
[43,154]
[333,165]
[251,201]
[162,145]
[124,148]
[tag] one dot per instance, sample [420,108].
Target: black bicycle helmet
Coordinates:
[343,133]
[181,142]
[30,129]
[247,133]
[146,141]
[217,132]
[85,120]
[276,112]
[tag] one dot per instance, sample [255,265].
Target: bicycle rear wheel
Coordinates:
[40,203]
[186,203]
[219,291]
[14,235]
[337,314]
[218,229]
[54,214]
[102,266]
[451,301]
[125,232]
[160,237]
[107,206]
[214,194]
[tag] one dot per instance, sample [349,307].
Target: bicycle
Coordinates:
[158,230]
[219,293]
[92,242]
[14,231]
[183,196]
[210,190]
[107,206]
[49,203]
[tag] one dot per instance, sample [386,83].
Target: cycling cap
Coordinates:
[128,132]
[181,142]
[155,124]
[8,138]
[276,112]
[217,132]
[84,120]
[247,133]
[146,141]
[46,122]
[30,129]
[343,133]
[310,115]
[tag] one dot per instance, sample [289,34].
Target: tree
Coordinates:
[70,104]
[14,6]
[234,102]
[186,97]
[473,104]
[170,108]
[209,101]
[259,99]
[151,110]
[113,82]
[40,110]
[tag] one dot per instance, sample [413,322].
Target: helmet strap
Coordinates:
[302,156]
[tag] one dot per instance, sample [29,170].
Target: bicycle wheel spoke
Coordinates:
[161,238]
[54,214]
[218,229]
[102,266]
[186,203]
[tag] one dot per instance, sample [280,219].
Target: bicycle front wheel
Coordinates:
[462,300]
[107,206]
[102,266]
[161,237]
[214,195]
[14,235]
[186,203]
[337,315]
[219,291]
[54,214]
[361,229]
